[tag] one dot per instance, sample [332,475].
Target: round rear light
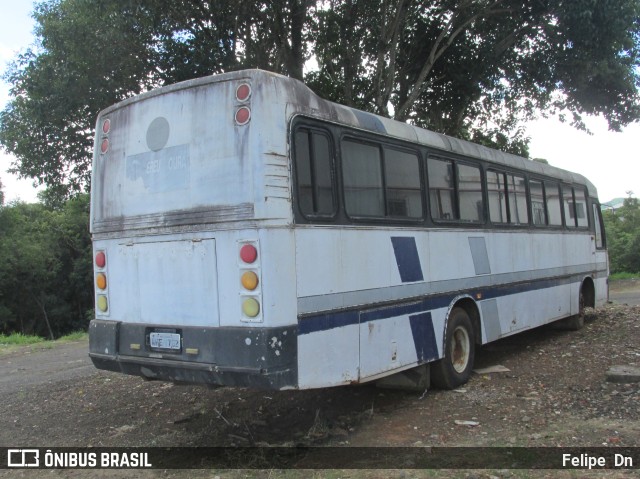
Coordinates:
[102,304]
[248,253]
[106,126]
[249,280]
[101,281]
[243,92]
[243,115]
[101,259]
[250,307]
[104,146]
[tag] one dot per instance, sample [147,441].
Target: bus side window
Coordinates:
[553,204]
[314,167]
[517,191]
[455,191]
[441,189]
[507,198]
[581,207]
[470,193]
[538,209]
[402,180]
[569,207]
[597,222]
[362,178]
[497,198]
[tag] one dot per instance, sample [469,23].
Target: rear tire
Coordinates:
[454,369]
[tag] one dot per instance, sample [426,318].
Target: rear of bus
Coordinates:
[193,254]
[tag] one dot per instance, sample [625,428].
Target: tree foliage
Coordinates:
[470,68]
[46,281]
[623,237]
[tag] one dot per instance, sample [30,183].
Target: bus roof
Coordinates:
[301,100]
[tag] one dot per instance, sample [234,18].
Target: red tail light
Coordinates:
[101,259]
[248,253]
[243,92]
[243,115]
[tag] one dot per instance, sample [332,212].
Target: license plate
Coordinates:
[164,340]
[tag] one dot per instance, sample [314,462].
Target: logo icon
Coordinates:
[23,458]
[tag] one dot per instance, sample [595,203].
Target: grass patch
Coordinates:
[623,276]
[19,339]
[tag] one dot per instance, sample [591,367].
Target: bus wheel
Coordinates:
[454,369]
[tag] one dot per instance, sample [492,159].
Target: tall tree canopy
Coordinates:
[46,264]
[475,69]
[623,236]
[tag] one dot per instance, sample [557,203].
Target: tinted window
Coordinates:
[313,172]
[441,189]
[517,200]
[507,198]
[303,170]
[597,221]
[470,193]
[496,189]
[455,191]
[362,177]
[402,179]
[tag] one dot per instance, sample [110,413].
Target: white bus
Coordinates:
[248,233]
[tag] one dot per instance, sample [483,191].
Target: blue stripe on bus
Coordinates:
[424,337]
[407,258]
[335,319]
[329,320]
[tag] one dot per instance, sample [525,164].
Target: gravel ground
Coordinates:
[555,393]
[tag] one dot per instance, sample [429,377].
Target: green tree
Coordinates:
[45,267]
[623,236]
[469,68]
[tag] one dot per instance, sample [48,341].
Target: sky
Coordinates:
[611,161]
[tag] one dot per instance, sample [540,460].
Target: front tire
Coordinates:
[454,369]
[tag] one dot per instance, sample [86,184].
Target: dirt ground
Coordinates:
[555,393]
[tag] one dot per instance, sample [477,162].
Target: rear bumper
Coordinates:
[261,358]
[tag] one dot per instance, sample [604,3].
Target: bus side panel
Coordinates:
[353,269]
[328,358]
[511,313]
[278,276]
[398,286]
